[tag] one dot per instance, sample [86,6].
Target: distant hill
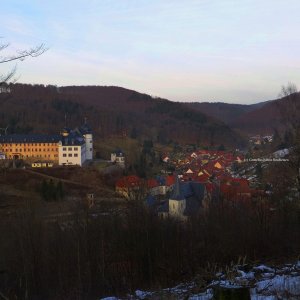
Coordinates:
[277,115]
[225,112]
[110,111]
[261,118]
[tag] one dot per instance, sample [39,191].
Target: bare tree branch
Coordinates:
[19,55]
[3,46]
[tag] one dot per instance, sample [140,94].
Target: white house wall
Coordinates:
[176,208]
[71,155]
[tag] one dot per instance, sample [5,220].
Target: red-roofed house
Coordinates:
[128,184]
[235,189]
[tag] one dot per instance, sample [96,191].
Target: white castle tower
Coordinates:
[88,137]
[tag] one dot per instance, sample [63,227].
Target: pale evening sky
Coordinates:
[238,51]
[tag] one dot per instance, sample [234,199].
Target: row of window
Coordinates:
[29,144]
[70,148]
[37,156]
[70,155]
[29,150]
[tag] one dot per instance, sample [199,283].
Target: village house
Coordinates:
[118,157]
[236,189]
[161,185]
[214,170]
[128,186]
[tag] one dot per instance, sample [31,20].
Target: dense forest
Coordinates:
[116,254]
[260,118]
[110,111]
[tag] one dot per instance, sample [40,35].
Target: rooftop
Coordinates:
[30,138]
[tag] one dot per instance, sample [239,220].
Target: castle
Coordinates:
[70,147]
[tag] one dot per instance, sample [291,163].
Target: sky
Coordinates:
[236,51]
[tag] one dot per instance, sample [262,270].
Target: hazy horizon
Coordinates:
[192,51]
[154,96]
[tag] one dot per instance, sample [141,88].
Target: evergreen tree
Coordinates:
[44,190]
[221,148]
[51,190]
[60,190]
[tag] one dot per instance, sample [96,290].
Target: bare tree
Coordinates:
[288,90]
[289,110]
[18,55]
[290,107]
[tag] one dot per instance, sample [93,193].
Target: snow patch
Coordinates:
[142,294]
[264,268]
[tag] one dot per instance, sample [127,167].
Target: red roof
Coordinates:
[170,180]
[128,181]
[152,183]
[235,188]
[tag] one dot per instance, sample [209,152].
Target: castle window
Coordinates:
[70,148]
[64,155]
[75,155]
[64,148]
[70,154]
[75,148]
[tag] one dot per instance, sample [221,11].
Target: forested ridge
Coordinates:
[110,111]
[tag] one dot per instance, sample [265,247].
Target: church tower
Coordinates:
[177,202]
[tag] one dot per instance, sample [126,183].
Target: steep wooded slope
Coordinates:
[110,111]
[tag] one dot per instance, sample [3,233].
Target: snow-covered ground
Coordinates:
[281,153]
[263,282]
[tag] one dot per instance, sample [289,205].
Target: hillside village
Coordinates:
[187,184]
[202,177]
